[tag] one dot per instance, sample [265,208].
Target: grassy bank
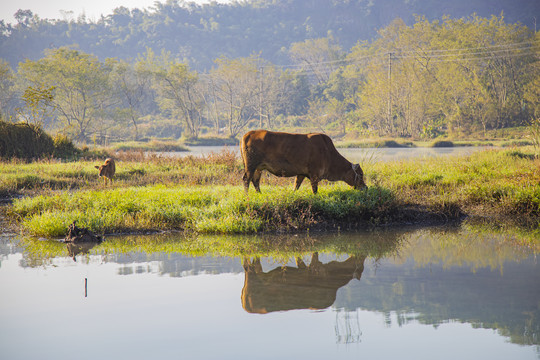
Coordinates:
[217,209]
[155,193]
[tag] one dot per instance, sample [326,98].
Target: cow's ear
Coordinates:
[97,167]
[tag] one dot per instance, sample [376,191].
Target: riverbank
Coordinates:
[205,195]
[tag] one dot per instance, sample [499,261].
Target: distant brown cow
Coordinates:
[107,170]
[311,156]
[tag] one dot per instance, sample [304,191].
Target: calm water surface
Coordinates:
[357,154]
[412,294]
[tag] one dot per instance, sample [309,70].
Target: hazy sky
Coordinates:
[50,9]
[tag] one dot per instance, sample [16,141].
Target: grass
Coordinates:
[132,169]
[489,182]
[204,195]
[217,209]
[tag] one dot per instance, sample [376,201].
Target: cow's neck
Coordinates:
[340,169]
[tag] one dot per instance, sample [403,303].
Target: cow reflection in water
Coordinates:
[303,287]
[75,249]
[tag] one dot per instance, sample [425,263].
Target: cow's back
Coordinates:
[284,154]
[109,168]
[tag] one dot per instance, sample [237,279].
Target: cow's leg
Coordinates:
[247,179]
[252,266]
[314,184]
[298,181]
[257,179]
[315,266]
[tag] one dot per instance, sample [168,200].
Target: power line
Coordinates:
[496,47]
[489,52]
[496,51]
[530,42]
[485,51]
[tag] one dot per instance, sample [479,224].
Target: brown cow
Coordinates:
[312,286]
[311,156]
[107,170]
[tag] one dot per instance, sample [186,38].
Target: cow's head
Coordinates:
[102,169]
[358,177]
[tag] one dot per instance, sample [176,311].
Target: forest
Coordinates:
[418,78]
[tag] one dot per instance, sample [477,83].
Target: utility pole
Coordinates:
[389,91]
[261,69]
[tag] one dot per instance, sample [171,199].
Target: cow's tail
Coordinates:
[243,151]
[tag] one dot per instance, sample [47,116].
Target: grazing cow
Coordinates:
[107,170]
[312,286]
[311,156]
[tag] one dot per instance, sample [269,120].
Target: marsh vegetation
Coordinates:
[205,195]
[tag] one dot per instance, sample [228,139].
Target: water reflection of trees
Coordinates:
[454,275]
[169,249]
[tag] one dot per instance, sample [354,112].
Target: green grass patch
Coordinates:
[205,195]
[132,169]
[218,209]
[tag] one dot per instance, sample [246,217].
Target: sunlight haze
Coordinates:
[54,9]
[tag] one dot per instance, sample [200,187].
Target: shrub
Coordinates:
[28,141]
[64,147]
[442,143]
[24,141]
[392,144]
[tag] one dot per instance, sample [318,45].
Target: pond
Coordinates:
[357,154]
[442,292]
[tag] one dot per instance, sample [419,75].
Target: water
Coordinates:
[441,293]
[356,154]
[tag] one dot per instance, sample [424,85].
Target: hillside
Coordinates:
[199,34]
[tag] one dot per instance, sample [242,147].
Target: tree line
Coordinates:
[449,76]
[198,34]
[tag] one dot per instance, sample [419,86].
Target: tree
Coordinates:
[291,96]
[38,104]
[24,17]
[132,85]
[7,91]
[237,91]
[81,88]
[460,75]
[178,90]
[318,57]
